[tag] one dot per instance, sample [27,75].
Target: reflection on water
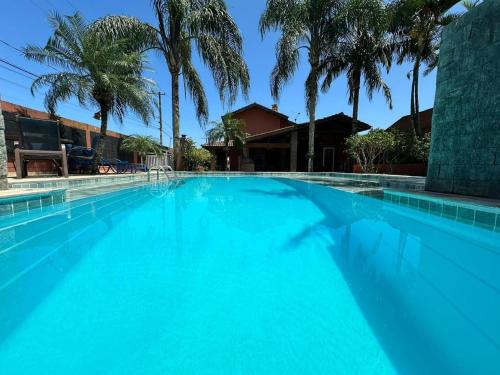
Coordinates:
[248,275]
[429,287]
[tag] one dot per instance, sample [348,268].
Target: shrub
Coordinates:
[387,147]
[195,158]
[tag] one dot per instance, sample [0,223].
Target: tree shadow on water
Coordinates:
[358,246]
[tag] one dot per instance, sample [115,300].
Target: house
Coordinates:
[404,123]
[275,143]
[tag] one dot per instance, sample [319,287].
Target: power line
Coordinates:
[10,45]
[21,51]
[36,5]
[19,68]
[72,5]
[14,83]
[15,71]
[49,3]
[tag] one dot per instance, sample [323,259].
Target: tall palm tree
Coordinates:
[142,144]
[229,130]
[361,52]
[105,75]
[417,27]
[184,25]
[303,24]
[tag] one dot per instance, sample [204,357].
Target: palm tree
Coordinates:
[417,27]
[361,52]
[105,75]
[184,25]
[229,130]
[303,24]
[142,144]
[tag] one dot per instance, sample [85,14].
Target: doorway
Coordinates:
[328,159]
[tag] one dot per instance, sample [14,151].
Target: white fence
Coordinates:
[156,162]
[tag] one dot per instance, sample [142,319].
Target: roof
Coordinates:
[218,144]
[362,126]
[260,106]
[341,117]
[404,122]
[271,133]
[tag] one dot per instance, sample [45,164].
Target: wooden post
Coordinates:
[64,161]
[18,163]
[293,151]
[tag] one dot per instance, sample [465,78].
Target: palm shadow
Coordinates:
[379,300]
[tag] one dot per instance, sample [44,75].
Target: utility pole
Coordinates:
[160,94]
[3,153]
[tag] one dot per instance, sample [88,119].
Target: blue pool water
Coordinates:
[246,276]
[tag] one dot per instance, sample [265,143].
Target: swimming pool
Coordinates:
[246,276]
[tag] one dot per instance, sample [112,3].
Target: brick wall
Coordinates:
[81,134]
[465,148]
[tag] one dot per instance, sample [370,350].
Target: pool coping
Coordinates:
[25,200]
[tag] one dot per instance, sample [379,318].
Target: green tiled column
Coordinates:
[465,148]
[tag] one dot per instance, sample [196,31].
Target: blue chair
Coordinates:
[80,159]
[123,166]
[141,167]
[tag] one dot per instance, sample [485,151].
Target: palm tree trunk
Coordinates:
[312,125]
[312,113]
[102,137]
[412,106]
[176,120]
[348,165]
[355,103]
[416,120]
[227,158]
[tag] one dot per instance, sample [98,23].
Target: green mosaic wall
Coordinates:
[465,148]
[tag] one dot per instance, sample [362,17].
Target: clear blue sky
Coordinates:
[25,21]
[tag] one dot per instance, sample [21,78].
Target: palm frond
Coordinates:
[195,88]
[140,35]
[106,74]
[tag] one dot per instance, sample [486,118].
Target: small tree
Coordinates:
[141,144]
[229,130]
[388,147]
[198,158]
[370,148]
[420,148]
